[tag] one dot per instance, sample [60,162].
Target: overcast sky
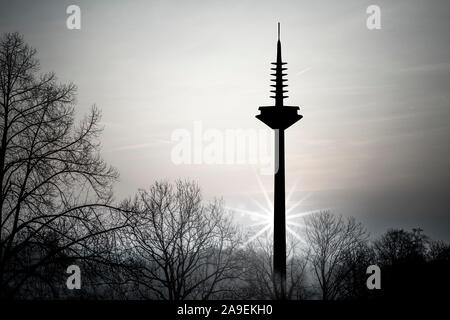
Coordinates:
[374,140]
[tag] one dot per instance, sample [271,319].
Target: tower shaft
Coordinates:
[279,217]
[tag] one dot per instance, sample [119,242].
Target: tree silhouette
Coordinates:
[331,239]
[55,190]
[258,273]
[413,266]
[183,249]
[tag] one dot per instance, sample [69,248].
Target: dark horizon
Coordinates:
[374,140]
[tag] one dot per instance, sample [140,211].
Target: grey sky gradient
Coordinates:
[374,140]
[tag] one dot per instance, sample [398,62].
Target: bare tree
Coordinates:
[183,248]
[258,273]
[413,267]
[55,189]
[330,239]
[353,268]
[398,246]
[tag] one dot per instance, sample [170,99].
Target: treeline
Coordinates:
[57,210]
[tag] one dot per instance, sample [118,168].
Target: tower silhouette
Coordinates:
[279,117]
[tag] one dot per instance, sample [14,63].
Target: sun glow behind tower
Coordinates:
[262,218]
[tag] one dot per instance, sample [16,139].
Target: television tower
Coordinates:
[279,118]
